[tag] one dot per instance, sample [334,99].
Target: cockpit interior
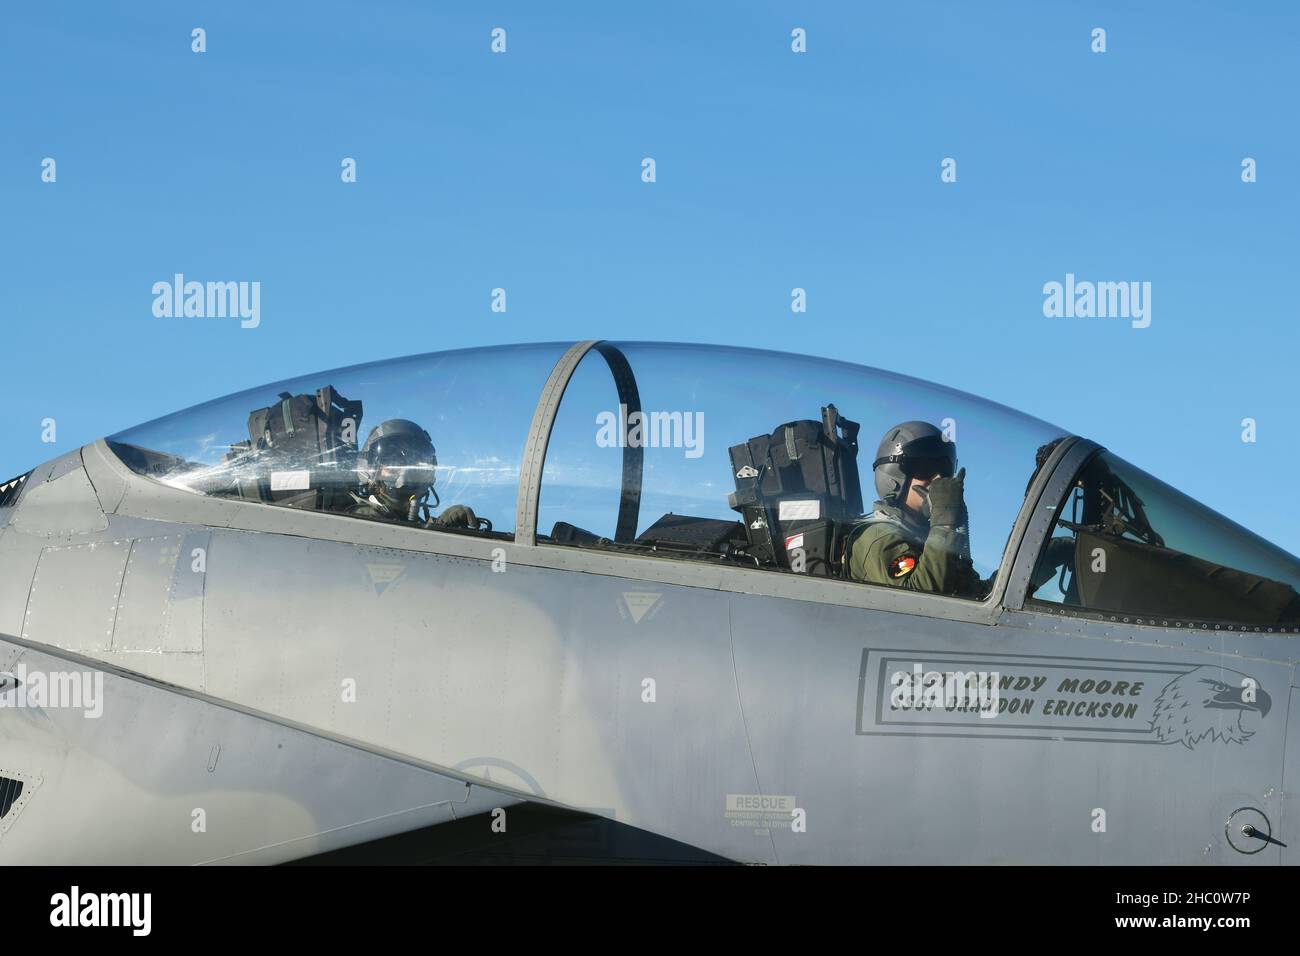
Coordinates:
[708,454]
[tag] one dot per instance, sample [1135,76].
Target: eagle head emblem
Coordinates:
[1208,702]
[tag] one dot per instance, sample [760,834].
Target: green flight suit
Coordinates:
[903,552]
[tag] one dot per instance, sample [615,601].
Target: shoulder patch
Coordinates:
[902,565]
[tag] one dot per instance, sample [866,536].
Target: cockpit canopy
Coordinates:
[297,442]
[690,452]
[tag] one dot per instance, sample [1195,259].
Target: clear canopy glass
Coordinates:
[698,401]
[476,406]
[1126,543]
[642,455]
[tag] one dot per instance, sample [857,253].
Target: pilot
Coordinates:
[396,467]
[917,536]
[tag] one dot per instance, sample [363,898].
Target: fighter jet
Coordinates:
[487,598]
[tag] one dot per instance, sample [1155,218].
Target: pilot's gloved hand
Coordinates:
[947,500]
[457,516]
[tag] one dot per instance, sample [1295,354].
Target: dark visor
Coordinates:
[925,457]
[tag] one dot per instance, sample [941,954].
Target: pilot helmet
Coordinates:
[397,462]
[911,450]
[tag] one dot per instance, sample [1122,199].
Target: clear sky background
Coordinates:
[775,170]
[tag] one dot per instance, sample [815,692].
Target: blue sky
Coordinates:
[774,170]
